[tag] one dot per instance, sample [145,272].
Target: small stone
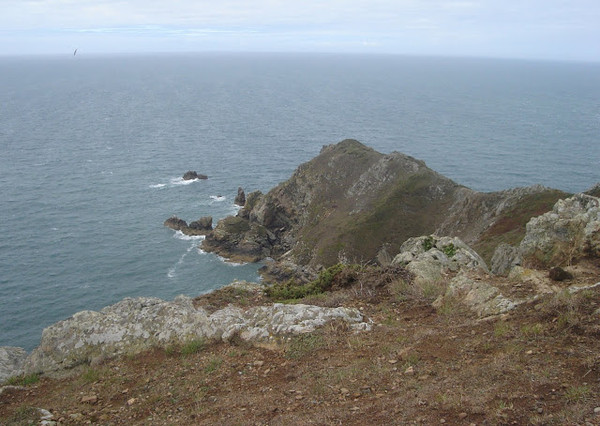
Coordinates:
[259,363]
[597,410]
[344,391]
[529,352]
[442,421]
[76,416]
[89,399]
[409,371]
[540,410]
[131,401]
[393,361]
[462,416]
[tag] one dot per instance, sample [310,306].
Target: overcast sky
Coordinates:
[547,29]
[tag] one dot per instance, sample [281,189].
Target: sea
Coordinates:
[93,150]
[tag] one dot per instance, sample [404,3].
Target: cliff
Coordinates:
[350,202]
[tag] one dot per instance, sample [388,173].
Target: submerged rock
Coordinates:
[11,361]
[134,325]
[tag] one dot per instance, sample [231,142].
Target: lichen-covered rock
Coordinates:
[430,257]
[504,259]
[482,298]
[570,230]
[11,361]
[134,325]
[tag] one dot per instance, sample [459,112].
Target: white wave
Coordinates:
[230,262]
[172,272]
[218,198]
[158,185]
[181,236]
[182,181]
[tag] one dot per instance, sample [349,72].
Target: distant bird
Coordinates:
[75,52]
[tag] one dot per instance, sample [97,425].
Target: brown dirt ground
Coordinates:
[538,365]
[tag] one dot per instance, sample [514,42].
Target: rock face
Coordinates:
[482,298]
[201,226]
[240,198]
[429,258]
[350,201]
[134,325]
[11,362]
[570,230]
[191,175]
[505,258]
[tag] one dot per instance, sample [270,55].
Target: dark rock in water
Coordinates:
[191,175]
[240,199]
[559,274]
[175,223]
[202,224]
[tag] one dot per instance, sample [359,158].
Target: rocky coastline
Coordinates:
[349,205]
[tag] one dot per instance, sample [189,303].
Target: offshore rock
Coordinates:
[134,325]
[240,198]
[201,226]
[569,231]
[11,361]
[175,223]
[192,175]
[429,258]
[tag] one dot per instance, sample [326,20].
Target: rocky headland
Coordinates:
[384,281]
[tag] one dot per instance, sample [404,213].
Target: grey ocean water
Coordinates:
[92,150]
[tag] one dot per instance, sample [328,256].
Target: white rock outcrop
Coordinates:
[430,257]
[11,361]
[134,325]
[569,230]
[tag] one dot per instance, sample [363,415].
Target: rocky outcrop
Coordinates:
[350,201]
[192,175]
[569,231]
[201,226]
[11,362]
[240,198]
[504,259]
[479,296]
[134,325]
[431,258]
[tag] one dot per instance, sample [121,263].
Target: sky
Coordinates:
[528,29]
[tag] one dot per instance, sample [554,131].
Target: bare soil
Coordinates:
[539,364]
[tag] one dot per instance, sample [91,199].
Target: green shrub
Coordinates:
[23,380]
[449,250]
[192,347]
[428,243]
[290,290]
